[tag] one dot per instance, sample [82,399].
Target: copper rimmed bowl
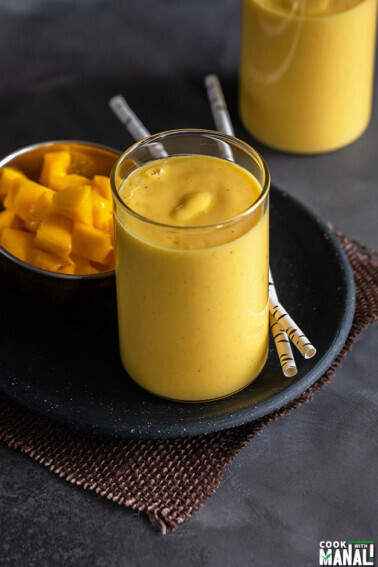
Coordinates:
[62,289]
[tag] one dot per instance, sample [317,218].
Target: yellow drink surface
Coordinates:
[192,302]
[306,71]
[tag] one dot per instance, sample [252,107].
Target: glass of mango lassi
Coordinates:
[192,258]
[306,71]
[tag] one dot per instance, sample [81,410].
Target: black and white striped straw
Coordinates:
[281,339]
[297,337]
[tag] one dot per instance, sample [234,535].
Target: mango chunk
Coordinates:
[17,242]
[74,203]
[101,211]
[68,268]
[45,261]
[55,164]
[102,183]
[72,180]
[90,243]
[108,265]
[7,218]
[18,224]
[54,236]
[9,178]
[108,227]
[26,193]
[82,163]
[38,210]
[11,195]
[83,267]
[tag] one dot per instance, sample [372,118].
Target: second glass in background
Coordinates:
[306,72]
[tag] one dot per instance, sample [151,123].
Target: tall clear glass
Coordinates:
[192,301]
[306,72]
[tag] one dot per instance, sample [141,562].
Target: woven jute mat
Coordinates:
[169,480]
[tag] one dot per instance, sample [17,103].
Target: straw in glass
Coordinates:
[223,123]
[132,123]
[220,111]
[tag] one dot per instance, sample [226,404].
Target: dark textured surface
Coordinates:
[90,390]
[308,476]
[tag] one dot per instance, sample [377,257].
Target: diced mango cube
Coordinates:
[104,223]
[45,260]
[38,210]
[54,235]
[102,183]
[109,263]
[17,242]
[101,211]
[74,203]
[26,193]
[7,218]
[68,268]
[91,243]
[72,180]
[18,223]
[9,178]
[55,164]
[11,195]
[108,226]
[83,163]
[83,267]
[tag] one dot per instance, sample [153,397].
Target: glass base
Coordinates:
[181,401]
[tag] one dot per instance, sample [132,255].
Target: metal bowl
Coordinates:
[62,289]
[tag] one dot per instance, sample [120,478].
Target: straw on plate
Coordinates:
[294,333]
[223,123]
[282,342]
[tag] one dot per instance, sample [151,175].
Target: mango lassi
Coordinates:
[306,72]
[192,276]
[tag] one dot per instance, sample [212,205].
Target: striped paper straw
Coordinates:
[220,112]
[297,337]
[132,123]
[282,342]
[218,105]
[285,354]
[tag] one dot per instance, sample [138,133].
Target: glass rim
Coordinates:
[223,137]
[304,17]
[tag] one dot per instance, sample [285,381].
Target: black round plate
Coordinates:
[64,363]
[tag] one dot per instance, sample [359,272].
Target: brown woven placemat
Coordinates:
[169,480]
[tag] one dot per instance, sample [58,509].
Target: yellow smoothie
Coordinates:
[306,74]
[192,285]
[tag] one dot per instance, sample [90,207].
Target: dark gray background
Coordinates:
[307,477]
